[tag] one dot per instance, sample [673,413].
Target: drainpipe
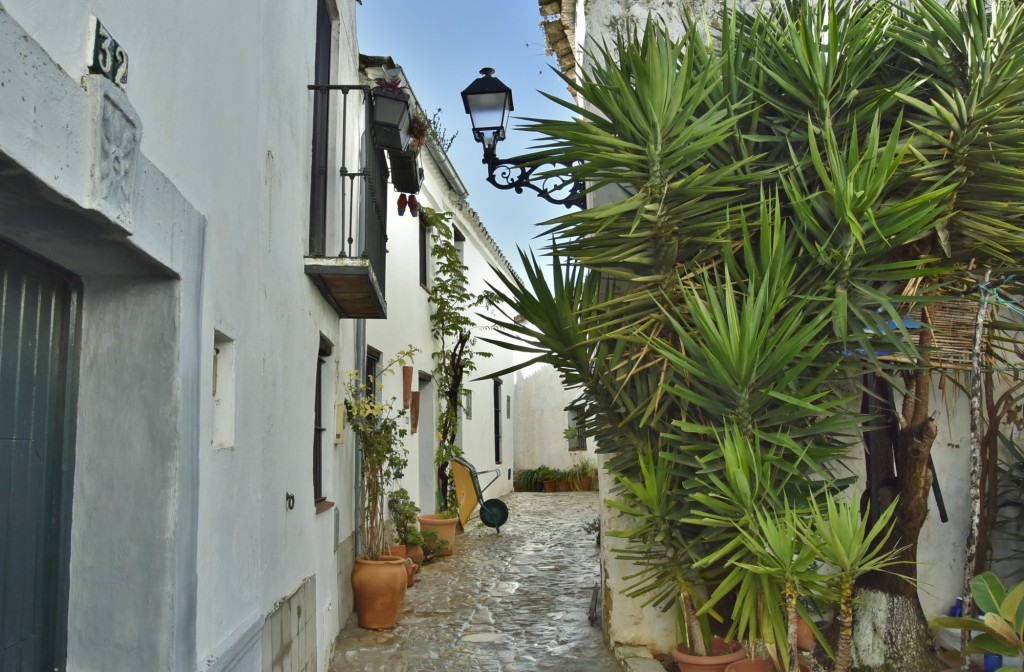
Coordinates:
[360,375]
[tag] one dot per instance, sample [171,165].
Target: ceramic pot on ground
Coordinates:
[722,655]
[584,483]
[398,550]
[378,587]
[415,553]
[410,571]
[750,665]
[550,486]
[565,486]
[444,527]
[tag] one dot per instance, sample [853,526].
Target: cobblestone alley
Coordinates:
[514,602]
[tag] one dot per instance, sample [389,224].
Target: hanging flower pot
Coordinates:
[391,120]
[406,174]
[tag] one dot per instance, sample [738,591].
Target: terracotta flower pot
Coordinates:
[723,654]
[750,665]
[444,527]
[584,483]
[550,486]
[398,550]
[804,636]
[565,486]
[414,553]
[410,572]
[378,587]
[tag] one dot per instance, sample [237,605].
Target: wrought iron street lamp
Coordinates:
[488,103]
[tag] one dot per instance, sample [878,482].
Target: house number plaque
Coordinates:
[108,58]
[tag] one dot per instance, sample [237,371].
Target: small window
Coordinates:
[323,49]
[575,431]
[373,371]
[460,243]
[223,434]
[424,253]
[324,351]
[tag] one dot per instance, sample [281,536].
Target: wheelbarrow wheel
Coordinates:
[493,513]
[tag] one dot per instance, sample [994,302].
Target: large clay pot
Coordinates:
[378,587]
[584,483]
[750,665]
[565,485]
[722,655]
[398,550]
[550,486]
[444,527]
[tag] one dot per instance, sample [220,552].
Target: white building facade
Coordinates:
[176,489]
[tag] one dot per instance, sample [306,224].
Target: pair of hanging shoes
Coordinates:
[411,202]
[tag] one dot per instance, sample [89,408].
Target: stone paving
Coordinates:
[514,602]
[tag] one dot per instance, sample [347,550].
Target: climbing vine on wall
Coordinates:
[451,324]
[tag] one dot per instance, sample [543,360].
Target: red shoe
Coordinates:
[414,206]
[401,205]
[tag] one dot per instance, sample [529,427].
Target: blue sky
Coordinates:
[441,45]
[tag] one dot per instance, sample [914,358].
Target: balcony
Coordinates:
[353,281]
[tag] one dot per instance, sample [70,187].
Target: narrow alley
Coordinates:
[513,602]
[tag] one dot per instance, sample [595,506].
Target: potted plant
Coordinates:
[392,121]
[419,129]
[378,580]
[414,547]
[842,539]
[667,572]
[443,525]
[548,478]
[403,519]
[433,546]
[581,474]
[1001,630]
[525,480]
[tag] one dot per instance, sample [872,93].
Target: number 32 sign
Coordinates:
[108,58]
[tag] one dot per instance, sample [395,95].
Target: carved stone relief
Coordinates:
[116,132]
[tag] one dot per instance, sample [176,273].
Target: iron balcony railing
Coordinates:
[353,281]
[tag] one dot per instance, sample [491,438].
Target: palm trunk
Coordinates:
[694,637]
[791,618]
[845,621]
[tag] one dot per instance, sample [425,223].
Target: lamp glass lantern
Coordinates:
[488,103]
[392,122]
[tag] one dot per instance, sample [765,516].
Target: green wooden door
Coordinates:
[38,327]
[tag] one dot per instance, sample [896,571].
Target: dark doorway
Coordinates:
[39,306]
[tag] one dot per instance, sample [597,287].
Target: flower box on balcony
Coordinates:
[391,120]
[406,174]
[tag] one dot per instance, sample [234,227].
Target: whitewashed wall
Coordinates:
[181,568]
[543,419]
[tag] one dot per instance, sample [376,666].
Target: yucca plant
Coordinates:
[781,196]
[844,538]
[781,571]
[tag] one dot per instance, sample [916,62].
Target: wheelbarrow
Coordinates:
[469,493]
